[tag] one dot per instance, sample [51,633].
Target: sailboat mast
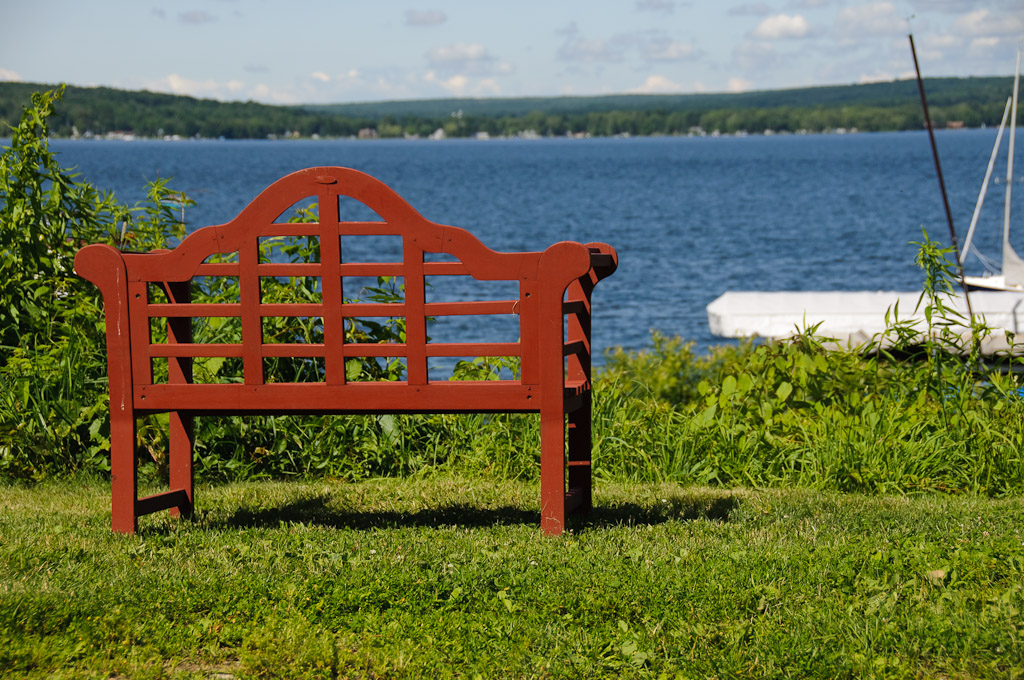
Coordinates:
[942,182]
[1009,165]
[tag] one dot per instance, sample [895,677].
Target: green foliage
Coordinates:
[52,363]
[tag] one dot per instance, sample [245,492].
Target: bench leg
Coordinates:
[579,457]
[180,454]
[552,470]
[123,480]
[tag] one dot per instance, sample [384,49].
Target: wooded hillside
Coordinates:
[877,106]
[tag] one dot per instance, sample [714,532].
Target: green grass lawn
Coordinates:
[451,577]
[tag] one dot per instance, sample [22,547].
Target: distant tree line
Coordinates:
[99,111]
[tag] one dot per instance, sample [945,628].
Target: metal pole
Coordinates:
[942,183]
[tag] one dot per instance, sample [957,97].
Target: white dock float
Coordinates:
[852,318]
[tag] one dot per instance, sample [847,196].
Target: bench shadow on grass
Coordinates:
[318,510]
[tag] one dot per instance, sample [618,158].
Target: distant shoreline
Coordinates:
[127,137]
[876,107]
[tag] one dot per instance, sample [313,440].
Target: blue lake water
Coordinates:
[690,217]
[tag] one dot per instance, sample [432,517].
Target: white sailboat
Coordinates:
[1011,276]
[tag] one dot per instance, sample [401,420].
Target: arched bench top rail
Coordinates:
[330,183]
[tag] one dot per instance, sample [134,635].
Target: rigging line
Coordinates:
[991,265]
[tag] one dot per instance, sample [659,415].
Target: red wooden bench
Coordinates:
[149,317]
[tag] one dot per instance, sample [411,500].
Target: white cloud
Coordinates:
[876,77]
[488,86]
[429,17]
[782,26]
[462,85]
[8,75]
[263,92]
[213,89]
[656,84]
[456,84]
[737,84]
[984,23]
[321,76]
[458,53]
[875,18]
[667,49]
[983,46]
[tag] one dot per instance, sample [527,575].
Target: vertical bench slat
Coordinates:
[142,365]
[415,313]
[332,287]
[252,324]
[181,425]
[529,338]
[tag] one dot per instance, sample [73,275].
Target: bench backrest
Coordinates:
[317,299]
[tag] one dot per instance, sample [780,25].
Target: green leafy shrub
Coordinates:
[53,396]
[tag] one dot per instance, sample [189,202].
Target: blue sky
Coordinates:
[314,51]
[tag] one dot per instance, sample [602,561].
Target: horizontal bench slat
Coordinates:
[196,350]
[288,229]
[348,310]
[315,269]
[474,349]
[368,349]
[471,308]
[291,269]
[577,347]
[574,307]
[293,349]
[398,396]
[444,269]
[372,269]
[176,498]
[372,309]
[350,349]
[429,268]
[313,229]
[217,269]
[195,309]
[300,309]
[276,349]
